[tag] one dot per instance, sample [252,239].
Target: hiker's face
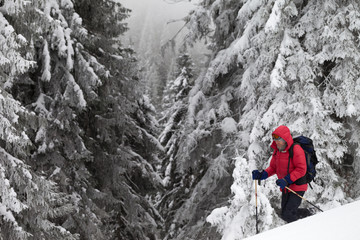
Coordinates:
[280,144]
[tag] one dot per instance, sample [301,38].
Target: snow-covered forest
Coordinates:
[89,150]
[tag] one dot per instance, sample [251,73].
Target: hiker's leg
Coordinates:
[290,206]
[284,198]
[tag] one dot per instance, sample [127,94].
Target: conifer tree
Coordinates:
[175,178]
[31,205]
[82,90]
[275,62]
[175,101]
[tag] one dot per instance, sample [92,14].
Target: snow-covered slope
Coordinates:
[339,223]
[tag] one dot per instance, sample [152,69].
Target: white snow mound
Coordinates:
[335,224]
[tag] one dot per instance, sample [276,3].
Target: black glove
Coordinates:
[284,182]
[256,174]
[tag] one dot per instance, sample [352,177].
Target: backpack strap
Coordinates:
[291,154]
[301,180]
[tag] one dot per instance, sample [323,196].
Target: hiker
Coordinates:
[287,172]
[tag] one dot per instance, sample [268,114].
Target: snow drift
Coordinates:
[337,223]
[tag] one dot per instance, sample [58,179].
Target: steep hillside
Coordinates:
[338,223]
[276,62]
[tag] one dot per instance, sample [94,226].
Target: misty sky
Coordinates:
[149,20]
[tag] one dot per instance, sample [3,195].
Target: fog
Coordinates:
[153,22]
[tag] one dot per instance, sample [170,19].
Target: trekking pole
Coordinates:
[257,229]
[303,198]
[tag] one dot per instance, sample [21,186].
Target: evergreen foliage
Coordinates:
[175,104]
[275,62]
[82,155]
[75,131]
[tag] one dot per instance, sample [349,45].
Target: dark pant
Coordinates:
[289,205]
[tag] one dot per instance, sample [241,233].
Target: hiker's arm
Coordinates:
[272,168]
[299,162]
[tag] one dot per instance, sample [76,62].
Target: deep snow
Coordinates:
[335,224]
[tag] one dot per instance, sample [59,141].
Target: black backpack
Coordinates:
[311,159]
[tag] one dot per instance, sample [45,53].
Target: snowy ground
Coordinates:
[335,224]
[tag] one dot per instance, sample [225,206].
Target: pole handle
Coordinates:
[256,207]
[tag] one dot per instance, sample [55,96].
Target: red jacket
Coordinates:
[279,161]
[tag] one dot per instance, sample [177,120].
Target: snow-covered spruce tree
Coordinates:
[95,129]
[30,203]
[57,97]
[275,62]
[177,88]
[337,80]
[120,131]
[181,177]
[174,105]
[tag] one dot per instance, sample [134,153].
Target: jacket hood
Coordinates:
[283,132]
